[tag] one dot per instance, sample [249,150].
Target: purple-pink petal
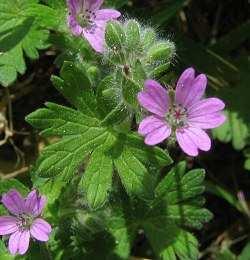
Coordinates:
[95,36]
[106,14]
[154,129]
[150,123]
[194,91]
[190,89]
[199,137]
[93,5]
[206,106]
[8,225]
[34,203]
[73,6]
[154,98]
[186,143]
[207,121]
[14,202]
[185,80]
[19,242]
[74,26]
[40,230]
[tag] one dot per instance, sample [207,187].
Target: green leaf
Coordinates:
[12,37]
[19,33]
[186,246]
[45,15]
[123,233]
[116,115]
[4,254]
[225,254]
[237,127]
[6,185]
[160,232]
[65,156]
[75,86]
[111,105]
[180,192]
[152,157]
[133,174]
[97,178]
[169,241]
[81,135]
[167,219]
[57,120]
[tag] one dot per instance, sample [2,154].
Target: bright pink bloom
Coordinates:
[88,20]
[24,221]
[186,113]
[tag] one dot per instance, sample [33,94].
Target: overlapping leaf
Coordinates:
[82,133]
[176,208]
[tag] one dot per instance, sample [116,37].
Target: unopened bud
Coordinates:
[114,35]
[162,51]
[133,35]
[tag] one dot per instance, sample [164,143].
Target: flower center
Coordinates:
[176,116]
[25,221]
[85,18]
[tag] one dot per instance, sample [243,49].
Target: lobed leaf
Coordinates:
[97,178]
[20,33]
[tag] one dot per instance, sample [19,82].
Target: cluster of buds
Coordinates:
[134,54]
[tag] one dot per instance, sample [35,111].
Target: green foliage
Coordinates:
[22,31]
[83,133]
[135,54]
[165,220]
[97,179]
[6,185]
[4,254]
[176,206]
[96,156]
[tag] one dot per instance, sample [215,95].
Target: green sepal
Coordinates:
[161,51]
[159,70]
[133,35]
[149,38]
[114,35]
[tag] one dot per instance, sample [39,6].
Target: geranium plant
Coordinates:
[114,166]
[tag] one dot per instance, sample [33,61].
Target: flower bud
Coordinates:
[149,38]
[162,51]
[114,35]
[133,35]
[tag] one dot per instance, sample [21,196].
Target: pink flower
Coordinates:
[185,113]
[88,20]
[24,221]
